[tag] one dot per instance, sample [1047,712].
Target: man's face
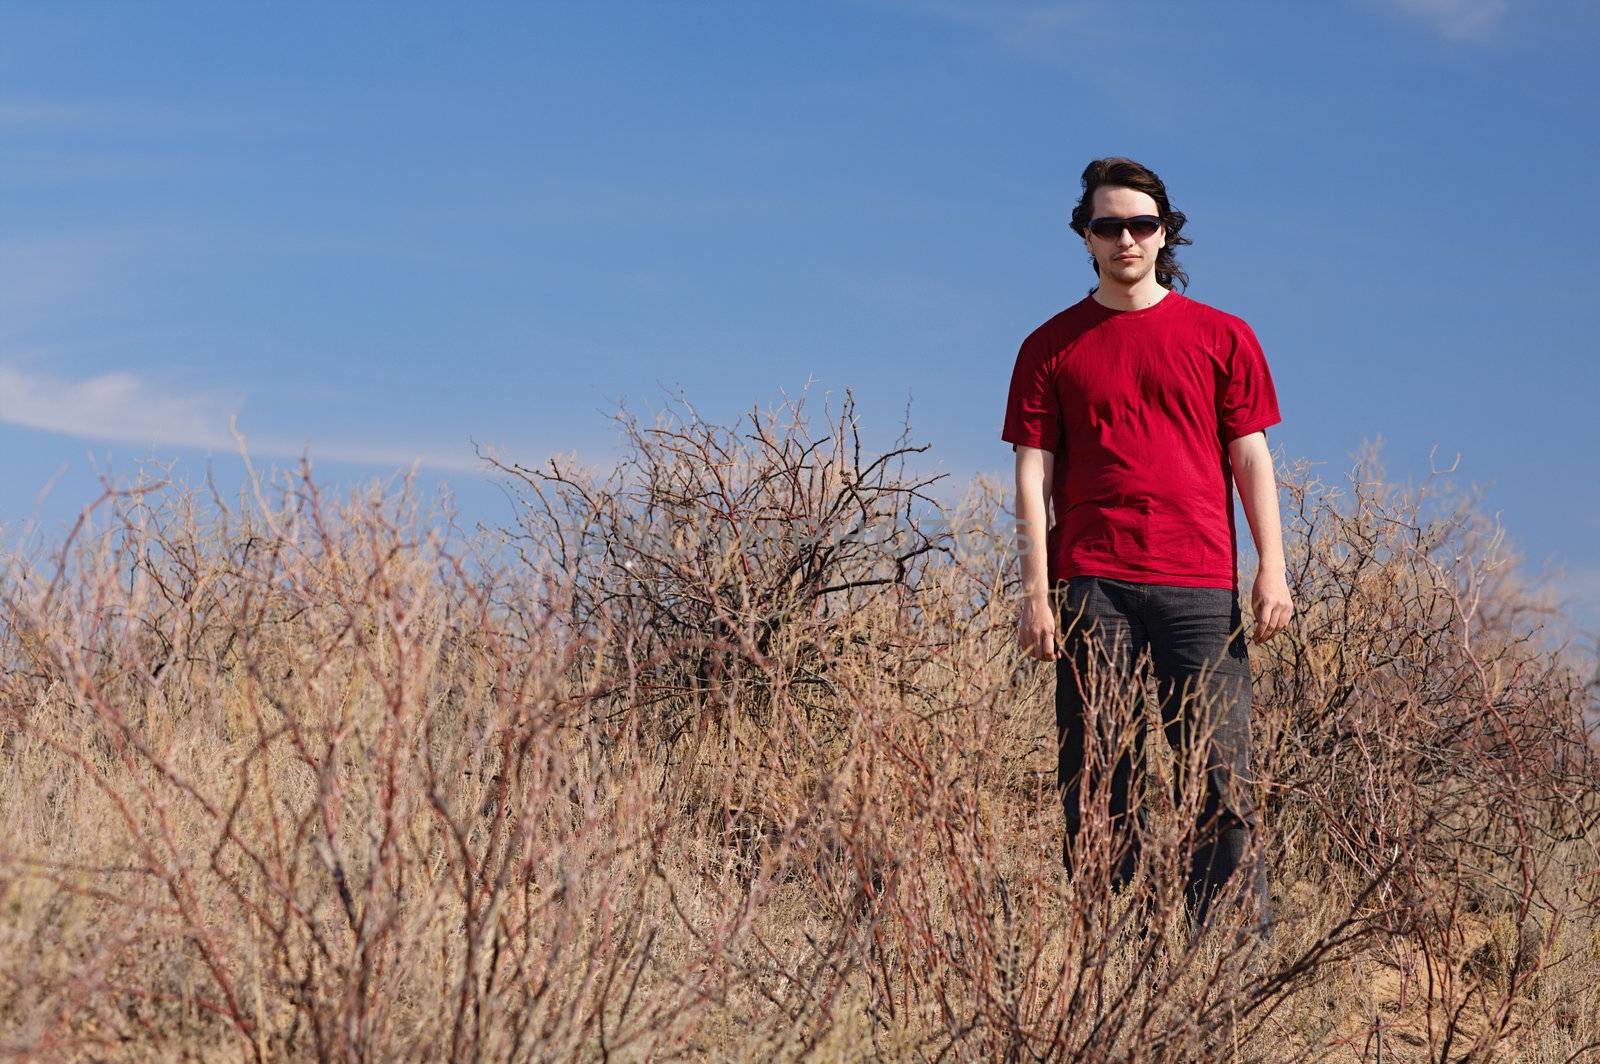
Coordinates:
[1124,259]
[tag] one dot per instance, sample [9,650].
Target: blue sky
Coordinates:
[383,231]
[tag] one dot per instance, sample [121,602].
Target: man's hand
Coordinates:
[1270,601]
[1036,629]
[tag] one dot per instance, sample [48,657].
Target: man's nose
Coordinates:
[1125,238]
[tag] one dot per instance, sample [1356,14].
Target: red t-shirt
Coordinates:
[1139,406]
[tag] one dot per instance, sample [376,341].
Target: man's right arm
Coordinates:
[1036,625]
[1033,428]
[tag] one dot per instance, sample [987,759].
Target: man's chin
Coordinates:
[1129,274]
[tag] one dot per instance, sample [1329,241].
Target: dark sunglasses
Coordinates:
[1142,226]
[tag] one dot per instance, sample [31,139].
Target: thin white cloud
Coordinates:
[1457,20]
[118,407]
[124,407]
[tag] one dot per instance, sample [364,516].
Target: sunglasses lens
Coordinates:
[1142,227]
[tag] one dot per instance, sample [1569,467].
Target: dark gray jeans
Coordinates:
[1186,630]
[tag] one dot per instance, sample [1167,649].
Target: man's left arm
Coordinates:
[1258,492]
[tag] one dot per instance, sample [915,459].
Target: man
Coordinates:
[1129,412]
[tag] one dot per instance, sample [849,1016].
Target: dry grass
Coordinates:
[731,756]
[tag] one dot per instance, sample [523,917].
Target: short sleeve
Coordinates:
[1246,399]
[1033,407]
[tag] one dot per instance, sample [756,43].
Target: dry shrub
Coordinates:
[731,754]
[717,557]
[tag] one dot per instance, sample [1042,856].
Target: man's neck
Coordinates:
[1145,294]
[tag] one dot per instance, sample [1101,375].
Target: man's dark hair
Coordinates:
[1119,170]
